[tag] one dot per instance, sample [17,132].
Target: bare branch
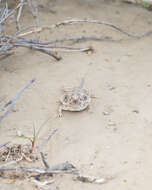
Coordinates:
[33,7]
[11,102]
[44,161]
[78,21]
[18,17]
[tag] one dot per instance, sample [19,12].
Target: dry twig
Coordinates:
[11,102]
[39,171]
[78,21]
[44,161]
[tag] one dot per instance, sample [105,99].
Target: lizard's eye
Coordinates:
[65,98]
[85,97]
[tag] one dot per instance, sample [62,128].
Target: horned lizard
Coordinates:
[75,99]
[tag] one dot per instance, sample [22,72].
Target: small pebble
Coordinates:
[135,111]
[106,113]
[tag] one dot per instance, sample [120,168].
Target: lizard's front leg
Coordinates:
[60,111]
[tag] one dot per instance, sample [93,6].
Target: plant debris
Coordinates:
[14,152]
[38,175]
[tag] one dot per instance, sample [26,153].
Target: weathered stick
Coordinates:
[11,102]
[79,39]
[42,48]
[44,161]
[78,21]
[18,17]
[39,171]
[61,40]
[46,51]
[34,10]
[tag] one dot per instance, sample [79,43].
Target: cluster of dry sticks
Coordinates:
[38,175]
[9,42]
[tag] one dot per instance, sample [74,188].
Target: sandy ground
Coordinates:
[118,73]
